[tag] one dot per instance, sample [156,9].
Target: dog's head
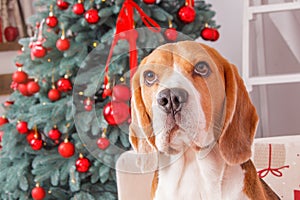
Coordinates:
[186,95]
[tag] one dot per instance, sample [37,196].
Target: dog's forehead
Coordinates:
[188,52]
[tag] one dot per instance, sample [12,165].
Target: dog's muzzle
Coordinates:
[170,100]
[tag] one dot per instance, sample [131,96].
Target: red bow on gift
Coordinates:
[125,31]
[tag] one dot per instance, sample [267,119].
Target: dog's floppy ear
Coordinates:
[141,134]
[240,119]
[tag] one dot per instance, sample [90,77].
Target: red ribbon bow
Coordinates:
[275,171]
[125,31]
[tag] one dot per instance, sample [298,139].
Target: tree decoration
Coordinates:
[88,104]
[51,20]
[38,193]
[38,50]
[66,149]
[78,8]
[63,43]
[22,127]
[116,112]
[36,144]
[106,88]
[22,87]
[33,87]
[36,45]
[121,93]
[64,84]
[18,64]
[91,16]
[32,134]
[62,4]
[149,1]
[171,33]
[187,12]
[54,94]
[19,76]
[210,34]
[103,143]
[3,120]
[54,134]
[8,103]
[82,164]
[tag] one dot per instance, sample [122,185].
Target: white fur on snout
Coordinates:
[190,120]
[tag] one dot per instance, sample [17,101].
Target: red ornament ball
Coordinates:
[91,16]
[33,135]
[88,107]
[171,34]
[149,1]
[63,44]
[82,165]
[210,34]
[3,120]
[11,33]
[19,64]
[78,8]
[19,77]
[103,143]
[66,149]
[54,134]
[54,94]
[61,4]
[8,103]
[38,51]
[88,104]
[116,112]
[51,21]
[121,93]
[64,85]
[187,14]
[23,89]
[22,127]
[38,193]
[33,87]
[36,144]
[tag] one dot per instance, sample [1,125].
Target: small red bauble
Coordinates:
[23,89]
[106,93]
[8,103]
[187,14]
[19,77]
[66,149]
[82,164]
[64,85]
[38,193]
[116,112]
[33,87]
[11,33]
[51,21]
[61,4]
[18,64]
[3,120]
[54,94]
[1,135]
[210,34]
[78,8]
[54,134]
[22,127]
[88,104]
[171,34]
[149,1]
[38,51]
[121,93]
[33,135]
[36,144]
[63,44]
[103,143]
[91,16]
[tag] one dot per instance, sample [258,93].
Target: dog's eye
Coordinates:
[202,69]
[150,77]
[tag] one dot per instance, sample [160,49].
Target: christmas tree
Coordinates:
[67,121]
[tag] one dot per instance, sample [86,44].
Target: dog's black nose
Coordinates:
[171,100]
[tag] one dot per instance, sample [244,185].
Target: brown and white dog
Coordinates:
[189,105]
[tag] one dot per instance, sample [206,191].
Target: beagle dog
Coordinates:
[193,116]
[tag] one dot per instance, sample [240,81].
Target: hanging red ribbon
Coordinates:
[125,31]
[275,171]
